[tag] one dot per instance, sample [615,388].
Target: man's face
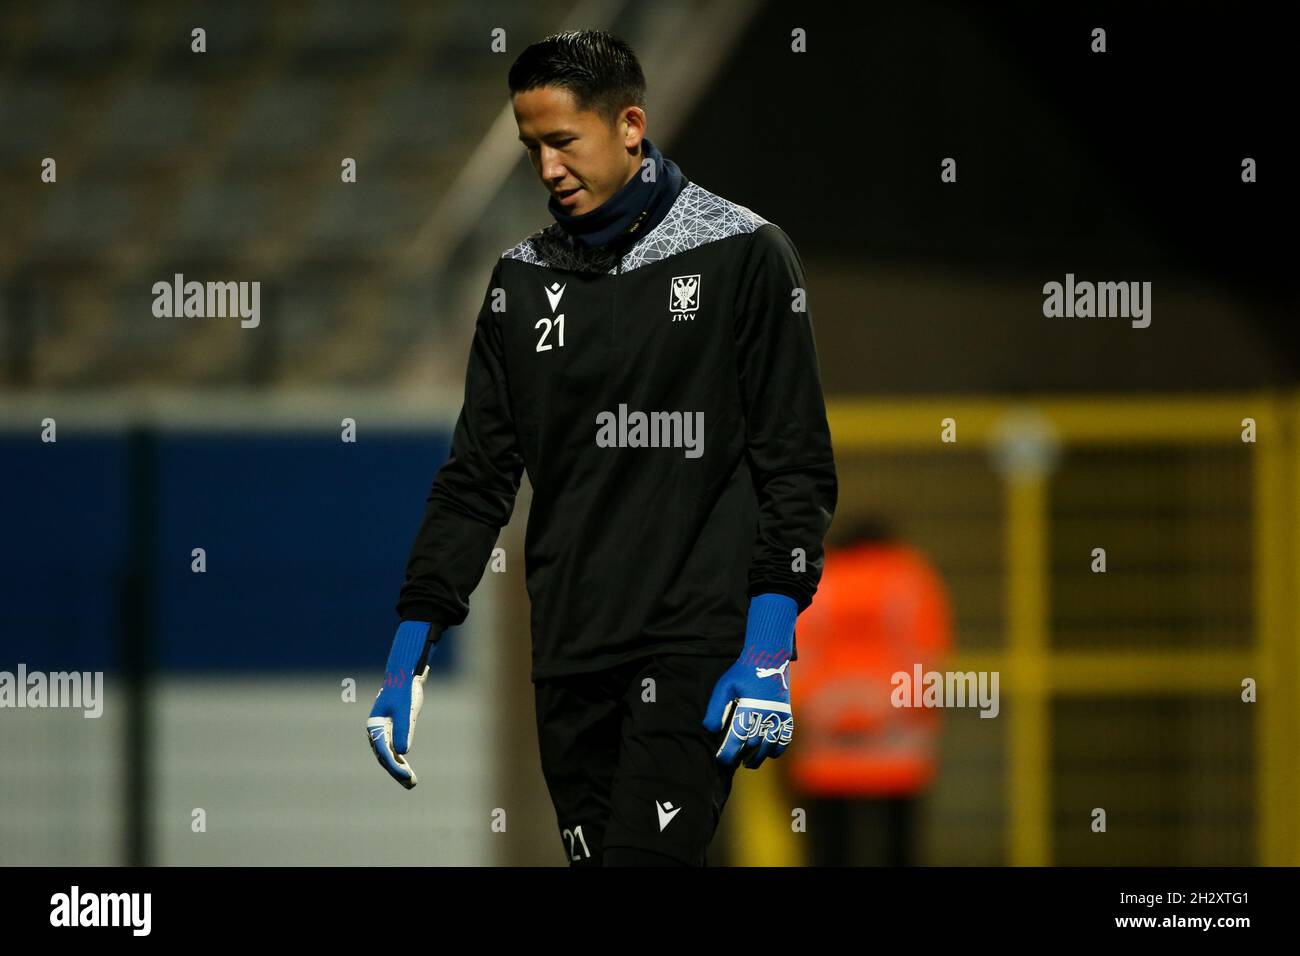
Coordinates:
[574,150]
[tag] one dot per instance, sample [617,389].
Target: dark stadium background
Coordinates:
[226,690]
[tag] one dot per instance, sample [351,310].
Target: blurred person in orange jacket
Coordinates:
[861,764]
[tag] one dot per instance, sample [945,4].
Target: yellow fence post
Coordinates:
[1030,714]
[1274,756]
[1024,447]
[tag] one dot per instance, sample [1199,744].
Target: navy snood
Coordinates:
[631,212]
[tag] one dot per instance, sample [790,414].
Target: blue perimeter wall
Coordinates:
[306,539]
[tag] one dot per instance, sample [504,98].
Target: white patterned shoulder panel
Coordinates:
[696,217]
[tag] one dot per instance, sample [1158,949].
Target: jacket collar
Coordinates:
[631,212]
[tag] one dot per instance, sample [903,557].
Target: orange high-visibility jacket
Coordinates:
[880,609]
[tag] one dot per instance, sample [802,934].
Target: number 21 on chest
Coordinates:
[547,325]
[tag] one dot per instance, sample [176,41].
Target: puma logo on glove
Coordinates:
[747,705]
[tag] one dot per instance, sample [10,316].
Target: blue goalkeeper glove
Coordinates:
[751,700]
[391,724]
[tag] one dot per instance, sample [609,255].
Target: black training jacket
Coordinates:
[646,533]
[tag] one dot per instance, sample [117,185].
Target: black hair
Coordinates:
[597,68]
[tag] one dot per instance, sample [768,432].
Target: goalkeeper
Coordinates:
[649,359]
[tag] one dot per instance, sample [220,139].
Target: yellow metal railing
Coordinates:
[1032,673]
